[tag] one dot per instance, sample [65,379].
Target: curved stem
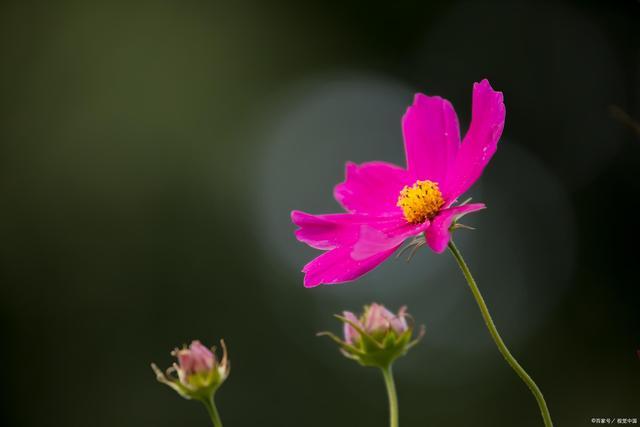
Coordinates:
[387,373]
[546,416]
[213,411]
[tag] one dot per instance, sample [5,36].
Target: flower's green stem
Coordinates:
[387,373]
[498,340]
[213,411]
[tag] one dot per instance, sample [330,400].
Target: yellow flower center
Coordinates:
[421,201]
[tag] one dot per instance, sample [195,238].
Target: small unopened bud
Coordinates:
[196,359]
[377,337]
[378,319]
[198,372]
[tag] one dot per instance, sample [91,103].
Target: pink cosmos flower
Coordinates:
[386,204]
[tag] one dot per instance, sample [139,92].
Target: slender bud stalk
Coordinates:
[210,404]
[387,373]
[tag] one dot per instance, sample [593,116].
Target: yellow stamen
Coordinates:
[421,201]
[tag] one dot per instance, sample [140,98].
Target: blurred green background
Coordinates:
[151,152]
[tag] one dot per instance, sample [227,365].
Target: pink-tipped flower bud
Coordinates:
[196,359]
[377,337]
[199,374]
[378,319]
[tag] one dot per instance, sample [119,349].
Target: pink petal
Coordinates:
[480,142]
[371,188]
[377,237]
[438,234]
[320,231]
[358,244]
[332,230]
[399,322]
[377,318]
[337,266]
[431,137]
[186,360]
[350,333]
[202,357]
